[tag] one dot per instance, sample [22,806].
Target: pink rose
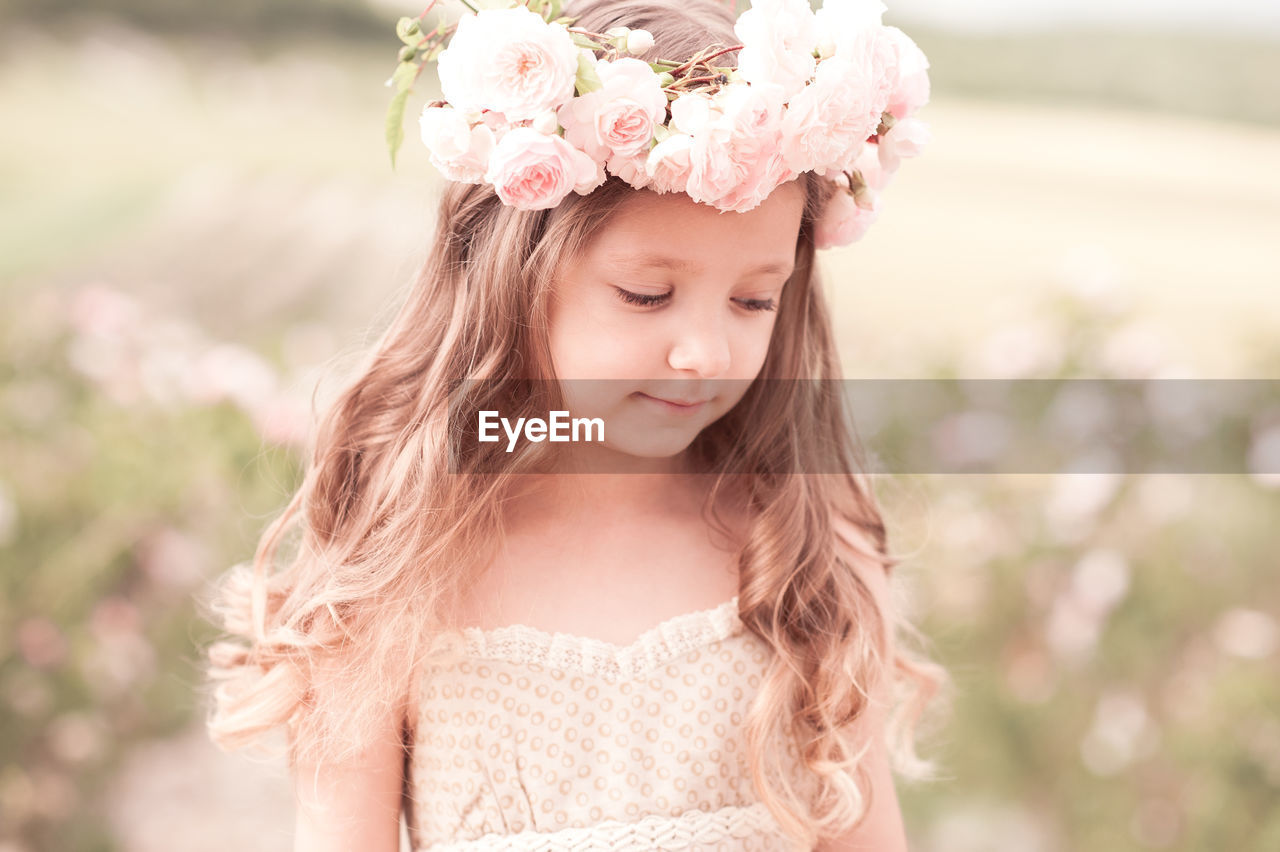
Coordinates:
[533,171]
[715,169]
[868,165]
[753,147]
[778,38]
[508,60]
[911,88]
[825,126]
[700,166]
[843,221]
[731,159]
[617,119]
[458,150]
[767,173]
[905,139]
[876,57]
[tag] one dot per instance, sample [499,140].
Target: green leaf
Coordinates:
[555,7]
[410,31]
[395,123]
[661,132]
[405,74]
[588,79]
[582,41]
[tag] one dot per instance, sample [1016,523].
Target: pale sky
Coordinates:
[1259,17]
[1239,16]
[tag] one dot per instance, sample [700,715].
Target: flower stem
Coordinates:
[704,60]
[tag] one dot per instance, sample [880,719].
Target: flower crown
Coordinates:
[538,108]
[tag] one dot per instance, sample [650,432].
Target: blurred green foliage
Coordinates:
[246,19]
[112,511]
[1206,75]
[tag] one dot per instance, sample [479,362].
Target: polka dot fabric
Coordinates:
[528,740]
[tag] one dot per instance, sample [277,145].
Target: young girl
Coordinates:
[676,634]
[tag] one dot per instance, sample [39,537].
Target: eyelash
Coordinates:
[649,300]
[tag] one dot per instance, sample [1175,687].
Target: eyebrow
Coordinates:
[644,261]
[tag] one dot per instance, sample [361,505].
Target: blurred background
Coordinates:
[198,221]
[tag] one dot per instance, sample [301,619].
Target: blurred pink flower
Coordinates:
[285,420]
[1122,731]
[77,737]
[172,560]
[8,515]
[228,371]
[103,311]
[41,642]
[1247,633]
[114,616]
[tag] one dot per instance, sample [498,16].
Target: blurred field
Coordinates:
[191,229]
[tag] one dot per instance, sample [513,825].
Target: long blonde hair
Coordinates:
[390,524]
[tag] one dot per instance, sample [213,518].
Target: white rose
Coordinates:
[670,162]
[713,169]
[753,146]
[458,150]
[778,38]
[632,169]
[726,152]
[510,61]
[617,119]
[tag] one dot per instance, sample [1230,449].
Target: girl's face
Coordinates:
[664,321]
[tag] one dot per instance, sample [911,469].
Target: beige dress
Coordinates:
[528,740]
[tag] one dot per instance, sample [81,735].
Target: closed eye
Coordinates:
[644,299]
[758,304]
[652,299]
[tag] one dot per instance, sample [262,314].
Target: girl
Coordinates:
[676,636]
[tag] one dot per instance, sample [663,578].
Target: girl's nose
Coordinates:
[701,348]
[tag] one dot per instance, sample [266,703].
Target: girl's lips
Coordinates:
[675,406]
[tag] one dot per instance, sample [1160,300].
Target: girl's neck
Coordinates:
[598,495]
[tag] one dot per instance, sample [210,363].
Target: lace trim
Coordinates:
[690,830]
[675,637]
